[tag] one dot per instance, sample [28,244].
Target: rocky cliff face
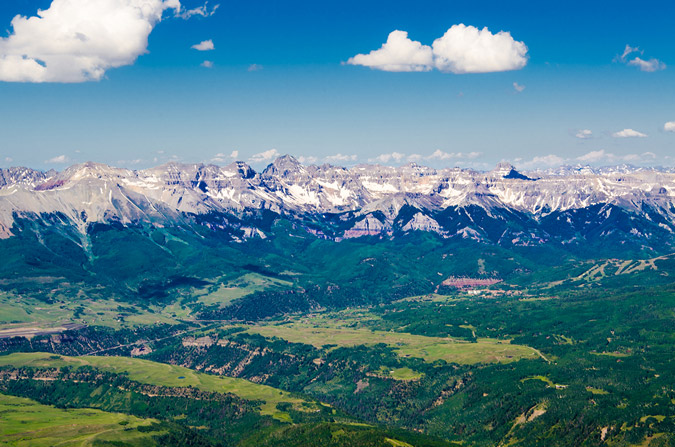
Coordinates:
[501,206]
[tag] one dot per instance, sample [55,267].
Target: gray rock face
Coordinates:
[373,195]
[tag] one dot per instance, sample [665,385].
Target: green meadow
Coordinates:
[26,423]
[161,374]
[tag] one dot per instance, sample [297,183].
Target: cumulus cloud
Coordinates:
[462,49]
[385,158]
[466,49]
[398,53]
[340,157]
[205,45]
[649,65]
[628,133]
[207,64]
[202,11]
[59,159]
[584,134]
[518,88]
[78,40]
[669,126]
[265,156]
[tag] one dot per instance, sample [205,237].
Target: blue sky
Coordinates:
[280,83]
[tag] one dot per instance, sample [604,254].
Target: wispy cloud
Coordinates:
[221,157]
[602,156]
[202,11]
[584,134]
[205,45]
[441,155]
[462,49]
[592,158]
[518,88]
[265,156]
[309,159]
[648,65]
[386,158]
[629,133]
[59,159]
[207,64]
[255,67]
[340,157]
[544,161]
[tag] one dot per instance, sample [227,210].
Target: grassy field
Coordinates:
[161,374]
[485,350]
[223,294]
[16,311]
[24,422]
[404,373]
[21,310]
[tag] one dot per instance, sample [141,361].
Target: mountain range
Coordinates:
[565,206]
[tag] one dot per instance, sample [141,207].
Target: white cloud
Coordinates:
[397,54]
[205,45]
[628,133]
[608,157]
[649,65]
[207,64]
[59,159]
[628,50]
[135,162]
[518,88]
[584,134]
[669,126]
[341,157]
[441,155]
[265,156]
[202,11]
[78,40]
[462,49]
[385,158]
[8,159]
[595,156]
[545,161]
[414,157]
[466,49]
[255,67]
[308,159]
[221,157]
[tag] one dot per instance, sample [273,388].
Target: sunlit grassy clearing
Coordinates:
[486,350]
[404,373]
[161,374]
[24,422]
